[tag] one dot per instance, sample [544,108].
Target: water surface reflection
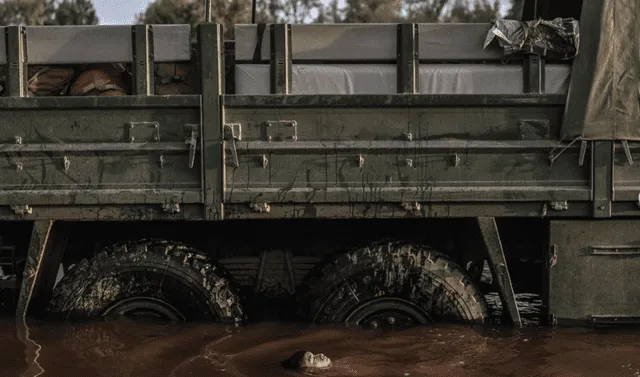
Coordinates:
[124,348]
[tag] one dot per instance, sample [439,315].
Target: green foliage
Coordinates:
[192,12]
[75,12]
[47,12]
[230,12]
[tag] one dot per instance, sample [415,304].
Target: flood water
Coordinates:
[127,348]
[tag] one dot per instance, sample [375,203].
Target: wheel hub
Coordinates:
[388,313]
[144,307]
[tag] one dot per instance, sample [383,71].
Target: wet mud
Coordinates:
[127,348]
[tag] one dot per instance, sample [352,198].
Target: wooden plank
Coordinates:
[101,44]
[370,42]
[172,43]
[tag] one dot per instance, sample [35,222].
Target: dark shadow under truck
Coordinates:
[361,174]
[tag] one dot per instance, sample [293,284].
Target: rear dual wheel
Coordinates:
[154,278]
[388,284]
[394,285]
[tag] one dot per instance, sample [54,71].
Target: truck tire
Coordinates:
[152,278]
[392,284]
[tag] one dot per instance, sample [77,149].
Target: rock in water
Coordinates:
[306,360]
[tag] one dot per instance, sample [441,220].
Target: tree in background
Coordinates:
[478,11]
[47,12]
[366,11]
[289,11]
[75,12]
[231,12]
[515,11]
[192,12]
[25,12]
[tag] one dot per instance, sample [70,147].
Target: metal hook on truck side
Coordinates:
[192,141]
[233,132]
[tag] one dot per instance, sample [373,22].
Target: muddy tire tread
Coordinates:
[222,294]
[316,295]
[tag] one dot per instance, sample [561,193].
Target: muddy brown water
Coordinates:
[126,348]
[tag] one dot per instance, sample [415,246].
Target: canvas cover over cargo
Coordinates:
[603,102]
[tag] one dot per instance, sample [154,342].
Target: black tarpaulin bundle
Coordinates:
[556,39]
[604,95]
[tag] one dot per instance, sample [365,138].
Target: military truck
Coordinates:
[364,174]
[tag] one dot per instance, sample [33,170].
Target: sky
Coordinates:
[122,12]
[118,12]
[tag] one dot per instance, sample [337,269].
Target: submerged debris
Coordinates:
[302,360]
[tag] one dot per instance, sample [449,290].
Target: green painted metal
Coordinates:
[16,61]
[212,119]
[499,267]
[593,270]
[143,57]
[35,253]
[602,178]
[280,63]
[397,100]
[407,63]
[288,150]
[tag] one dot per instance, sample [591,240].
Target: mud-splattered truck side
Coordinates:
[361,174]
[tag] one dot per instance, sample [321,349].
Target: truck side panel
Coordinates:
[429,153]
[97,150]
[594,270]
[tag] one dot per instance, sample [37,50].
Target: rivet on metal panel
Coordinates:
[19,166]
[408,162]
[265,161]
[408,136]
[260,207]
[360,161]
[21,209]
[66,163]
[456,160]
[18,139]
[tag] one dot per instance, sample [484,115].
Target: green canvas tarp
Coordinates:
[603,102]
